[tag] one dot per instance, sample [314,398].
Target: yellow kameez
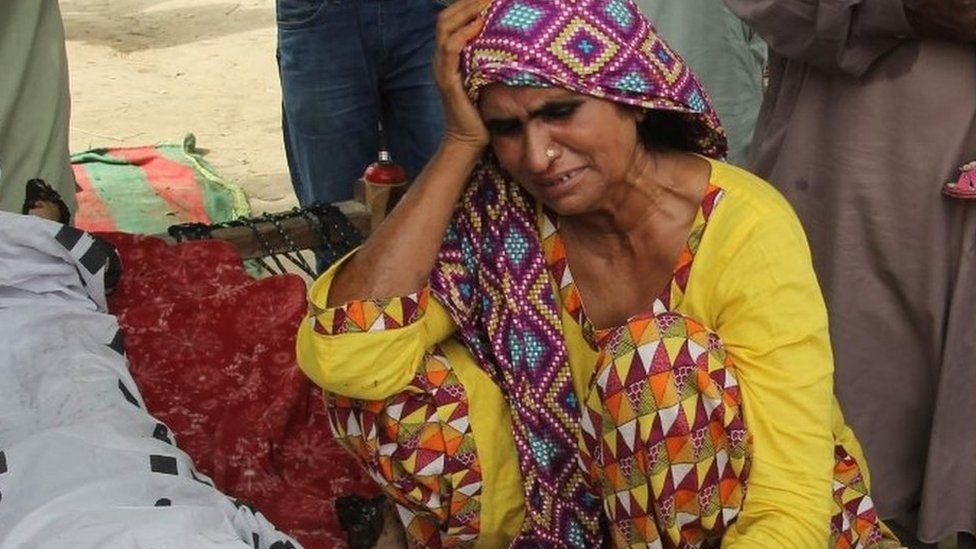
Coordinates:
[752,283]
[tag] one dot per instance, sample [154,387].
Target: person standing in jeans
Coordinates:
[347,66]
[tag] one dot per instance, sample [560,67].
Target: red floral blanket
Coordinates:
[213,353]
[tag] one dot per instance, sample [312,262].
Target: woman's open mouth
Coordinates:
[562,183]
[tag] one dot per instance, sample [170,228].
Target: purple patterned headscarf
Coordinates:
[491,273]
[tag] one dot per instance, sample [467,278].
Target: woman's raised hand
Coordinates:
[456,25]
[399,256]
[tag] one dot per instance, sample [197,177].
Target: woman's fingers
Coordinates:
[456,26]
[458,15]
[455,42]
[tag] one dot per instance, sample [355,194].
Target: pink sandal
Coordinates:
[965,187]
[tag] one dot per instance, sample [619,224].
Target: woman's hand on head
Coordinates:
[456,26]
[943,19]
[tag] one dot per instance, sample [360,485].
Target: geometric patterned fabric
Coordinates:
[662,428]
[490,272]
[491,277]
[855,523]
[418,447]
[602,48]
[370,315]
[663,431]
[661,435]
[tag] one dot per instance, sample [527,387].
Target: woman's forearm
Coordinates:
[398,257]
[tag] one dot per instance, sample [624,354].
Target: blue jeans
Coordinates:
[346,66]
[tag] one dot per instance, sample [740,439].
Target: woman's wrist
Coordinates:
[462,148]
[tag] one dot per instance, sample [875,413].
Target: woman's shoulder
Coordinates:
[748,192]
[749,203]
[754,243]
[751,230]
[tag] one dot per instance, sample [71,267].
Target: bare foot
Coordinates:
[45,209]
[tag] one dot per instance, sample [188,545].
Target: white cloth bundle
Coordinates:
[82,463]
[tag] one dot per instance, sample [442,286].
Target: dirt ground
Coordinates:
[150,71]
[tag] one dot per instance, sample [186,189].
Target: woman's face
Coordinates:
[566,149]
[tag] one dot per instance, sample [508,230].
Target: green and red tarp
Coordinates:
[145,190]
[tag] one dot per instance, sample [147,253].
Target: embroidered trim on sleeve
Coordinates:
[371,315]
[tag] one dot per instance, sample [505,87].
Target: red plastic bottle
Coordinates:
[383,182]
[384,171]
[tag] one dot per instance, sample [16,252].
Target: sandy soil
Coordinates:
[150,71]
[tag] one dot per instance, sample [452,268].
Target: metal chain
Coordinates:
[265,245]
[337,235]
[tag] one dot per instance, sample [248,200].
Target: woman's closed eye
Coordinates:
[557,111]
[562,110]
[504,127]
